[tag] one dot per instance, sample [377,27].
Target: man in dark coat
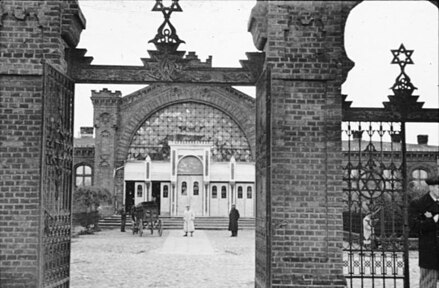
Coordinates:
[233,220]
[424,220]
[123,219]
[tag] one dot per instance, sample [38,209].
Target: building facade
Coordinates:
[185,144]
[176,144]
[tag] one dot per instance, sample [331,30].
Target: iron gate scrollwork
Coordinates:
[375,194]
[56,174]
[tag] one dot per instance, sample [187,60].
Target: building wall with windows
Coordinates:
[174,144]
[189,144]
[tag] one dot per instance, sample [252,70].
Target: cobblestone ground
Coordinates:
[211,259]
[114,259]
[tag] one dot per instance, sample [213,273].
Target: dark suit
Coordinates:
[233,221]
[427,230]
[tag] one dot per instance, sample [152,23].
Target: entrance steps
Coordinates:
[201,223]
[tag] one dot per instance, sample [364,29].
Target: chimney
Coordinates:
[395,137]
[86,132]
[357,134]
[422,139]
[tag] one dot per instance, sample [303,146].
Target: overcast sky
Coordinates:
[118,33]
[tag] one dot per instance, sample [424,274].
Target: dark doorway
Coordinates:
[155,192]
[129,195]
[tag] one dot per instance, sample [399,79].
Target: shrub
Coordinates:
[86,201]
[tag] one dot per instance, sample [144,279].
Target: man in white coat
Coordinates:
[188,217]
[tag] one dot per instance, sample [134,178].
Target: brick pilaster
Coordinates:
[106,122]
[299,176]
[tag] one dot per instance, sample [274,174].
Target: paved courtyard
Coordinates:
[210,259]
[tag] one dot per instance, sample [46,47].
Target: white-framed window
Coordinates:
[214,192]
[83,175]
[249,192]
[223,192]
[196,188]
[418,177]
[139,190]
[184,188]
[165,191]
[239,192]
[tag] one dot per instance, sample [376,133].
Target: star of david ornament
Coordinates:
[402,56]
[166,39]
[371,184]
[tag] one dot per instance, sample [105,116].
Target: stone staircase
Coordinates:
[201,223]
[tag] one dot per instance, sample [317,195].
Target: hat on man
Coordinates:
[434,180]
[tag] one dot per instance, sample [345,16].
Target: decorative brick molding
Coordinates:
[106,122]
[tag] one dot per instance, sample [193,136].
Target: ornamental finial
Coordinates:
[402,57]
[167,39]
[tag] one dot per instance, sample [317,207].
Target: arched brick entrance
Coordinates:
[287,196]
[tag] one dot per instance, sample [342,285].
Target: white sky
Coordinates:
[118,33]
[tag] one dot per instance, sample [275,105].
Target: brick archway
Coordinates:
[233,103]
[278,28]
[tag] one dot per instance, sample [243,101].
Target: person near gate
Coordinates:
[424,220]
[233,220]
[123,219]
[188,218]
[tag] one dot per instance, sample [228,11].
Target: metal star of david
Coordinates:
[371,184]
[401,56]
[175,7]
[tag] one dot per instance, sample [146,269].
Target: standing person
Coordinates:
[123,219]
[424,220]
[233,221]
[188,218]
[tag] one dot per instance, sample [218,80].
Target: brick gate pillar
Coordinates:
[30,31]
[299,176]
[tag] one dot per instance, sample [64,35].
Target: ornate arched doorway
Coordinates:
[190,185]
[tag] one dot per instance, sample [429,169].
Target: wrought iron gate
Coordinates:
[56,178]
[375,215]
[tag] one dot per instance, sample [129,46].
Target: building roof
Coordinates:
[387,146]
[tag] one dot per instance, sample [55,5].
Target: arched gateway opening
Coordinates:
[298,74]
[185,151]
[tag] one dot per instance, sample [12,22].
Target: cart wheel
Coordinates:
[159,227]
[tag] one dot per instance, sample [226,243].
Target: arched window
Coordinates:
[83,176]
[418,178]
[191,117]
[165,191]
[184,188]
[239,192]
[139,190]
[223,192]
[214,192]
[249,192]
[196,189]
[392,179]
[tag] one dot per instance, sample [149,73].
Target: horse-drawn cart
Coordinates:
[146,216]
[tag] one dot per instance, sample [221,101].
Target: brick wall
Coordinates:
[299,215]
[20,152]
[30,31]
